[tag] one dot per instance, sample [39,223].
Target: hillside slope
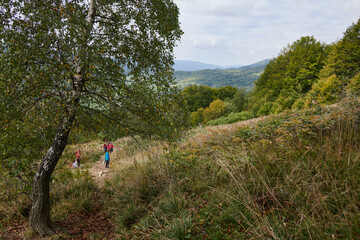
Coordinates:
[243,77]
[295,175]
[289,176]
[185,65]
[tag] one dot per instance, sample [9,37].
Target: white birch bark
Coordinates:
[40,213]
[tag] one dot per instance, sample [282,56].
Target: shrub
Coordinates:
[299,104]
[197,117]
[354,86]
[326,90]
[216,109]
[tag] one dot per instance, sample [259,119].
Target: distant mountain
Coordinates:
[232,66]
[258,64]
[184,65]
[243,77]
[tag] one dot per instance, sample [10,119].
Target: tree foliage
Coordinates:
[65,62]
[197,117]
[201,96]
[354,85]
[340,70]
[238,101]
[289,76]
[344,59]
[326,90]
[216,109]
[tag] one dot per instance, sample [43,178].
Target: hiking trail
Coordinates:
[98,171]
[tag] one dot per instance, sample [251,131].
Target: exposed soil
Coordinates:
[15,230]
[91,225]
[100,173]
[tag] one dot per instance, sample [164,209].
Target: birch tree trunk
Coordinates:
[40,212]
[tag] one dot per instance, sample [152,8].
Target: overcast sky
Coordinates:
[242,32]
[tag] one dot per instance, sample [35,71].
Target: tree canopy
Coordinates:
[344,59]
[341,70]
[201,96]
[109,62]
[289,76]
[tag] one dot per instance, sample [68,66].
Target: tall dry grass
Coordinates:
[289,176]
[303,181]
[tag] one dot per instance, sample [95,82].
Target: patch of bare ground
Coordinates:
[92,225]
[14,230]
[99,173]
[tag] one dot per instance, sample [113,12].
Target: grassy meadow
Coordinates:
[295,175]
[289,176]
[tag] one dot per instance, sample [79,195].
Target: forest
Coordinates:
[280,160]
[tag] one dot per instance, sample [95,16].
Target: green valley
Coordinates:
[243,77]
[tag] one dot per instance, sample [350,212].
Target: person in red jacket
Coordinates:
[105,147]
[111,147]
[78,156]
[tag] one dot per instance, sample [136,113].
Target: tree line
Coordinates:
[309,72]
[305,73]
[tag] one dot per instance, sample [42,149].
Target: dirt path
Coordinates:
[99,172]
[123,158]
[118,161]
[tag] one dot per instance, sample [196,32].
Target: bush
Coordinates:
[197,117]
[326,90]
[354,86]
[216,109]
[239,100]
[298,104]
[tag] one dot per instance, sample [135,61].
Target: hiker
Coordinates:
[78,157]
[105,147]
[107,158]
[111,147]
[74,164]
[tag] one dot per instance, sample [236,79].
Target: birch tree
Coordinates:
[65,59]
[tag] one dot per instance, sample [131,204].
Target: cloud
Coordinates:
[208,43]
[230,32]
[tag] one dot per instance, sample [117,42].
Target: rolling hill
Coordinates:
[186,65]
[242,77]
